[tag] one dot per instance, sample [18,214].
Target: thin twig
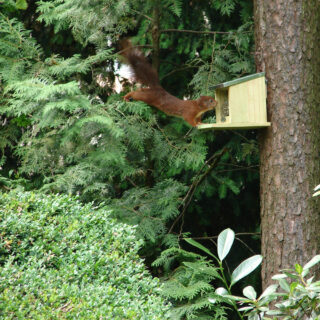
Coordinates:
[200,32]
[246,245]
[142,14]
[239,169]
[129,180]
[241,135]
[207,163]
[237,235]
[187,199]
[178,70]
[248,234]
[166,138]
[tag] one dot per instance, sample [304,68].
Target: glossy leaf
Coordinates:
[199,246]
[249,292]
[312,262]
[225,241]
[284,285]
[270,290]
[298,268]
[317,188]
[245,268]
[316,194]
[221,291]
[279,276]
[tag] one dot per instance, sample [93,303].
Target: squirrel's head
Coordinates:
[207,102]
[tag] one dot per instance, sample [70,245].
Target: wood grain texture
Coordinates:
[288,51]
[234,126]
[244,99]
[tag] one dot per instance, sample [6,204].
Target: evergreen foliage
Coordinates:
[65,129]
[149,211]
[74,136]
[190,286]
[63,260]
[299,298]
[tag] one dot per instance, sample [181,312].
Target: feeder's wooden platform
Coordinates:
[233,126]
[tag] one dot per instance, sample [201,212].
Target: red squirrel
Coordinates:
[155,95]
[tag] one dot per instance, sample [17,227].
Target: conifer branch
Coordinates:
[142,14]
[212,162]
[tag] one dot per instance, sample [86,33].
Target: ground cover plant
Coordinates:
[63,260]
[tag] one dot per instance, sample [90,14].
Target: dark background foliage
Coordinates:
[65,129]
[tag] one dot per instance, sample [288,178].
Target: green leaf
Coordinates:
[21,4]
[245,267]
[291,275]
[221,291]
[309,281]
[245,309]
[274,313]
[236,298]
[284,285]
[293,285]
[249,292]
[316,193]
[317,188]
[269,291]
[199,246]
[298,268]
[305,272]
[212,300]
[225,241]
[279,276]
[312,262]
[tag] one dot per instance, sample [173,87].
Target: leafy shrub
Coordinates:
[190,286]
[298,298]
[194,297]
[65,130]
[62,260]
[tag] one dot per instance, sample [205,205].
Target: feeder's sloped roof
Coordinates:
[239,80]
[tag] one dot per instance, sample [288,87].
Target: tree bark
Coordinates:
[287,34]
[156,35]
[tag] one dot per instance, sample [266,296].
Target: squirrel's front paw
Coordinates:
[128,97]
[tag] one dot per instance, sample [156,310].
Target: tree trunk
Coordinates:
[156,35]
[288,49]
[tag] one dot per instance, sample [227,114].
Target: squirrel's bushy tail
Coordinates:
[141,68]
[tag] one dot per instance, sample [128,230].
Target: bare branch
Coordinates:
[237,235]
[202,32]
[211,163]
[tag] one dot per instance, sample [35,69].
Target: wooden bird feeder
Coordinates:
[241,104]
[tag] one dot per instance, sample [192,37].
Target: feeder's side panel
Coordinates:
[238,103]
[222,108]
[256,91]
[259,100]
[248,101]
